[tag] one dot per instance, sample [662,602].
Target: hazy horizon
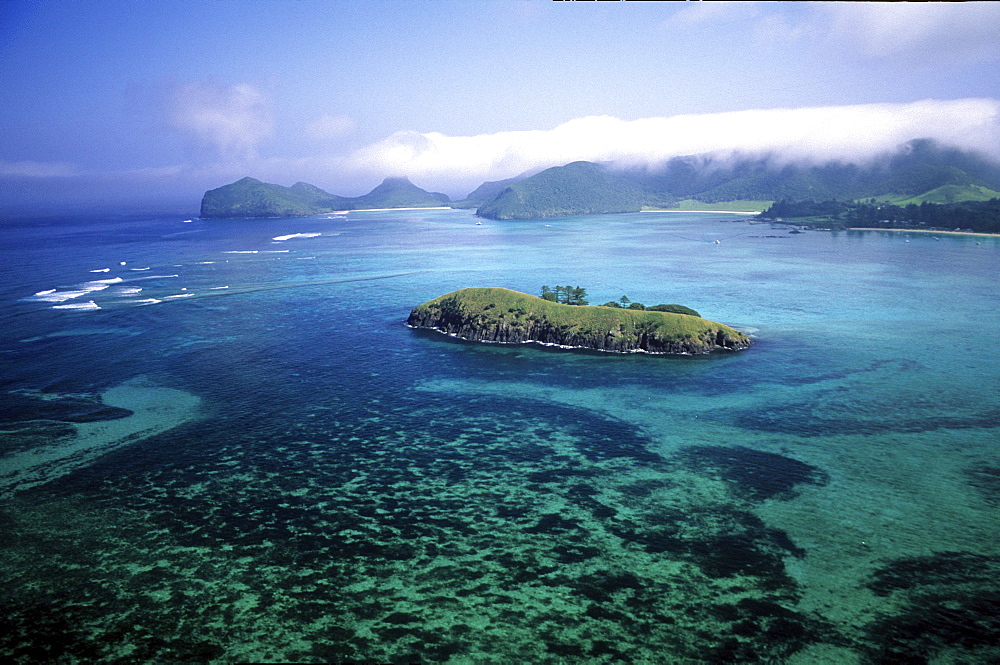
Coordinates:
[124,104]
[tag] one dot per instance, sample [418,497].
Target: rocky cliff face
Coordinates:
[449,317]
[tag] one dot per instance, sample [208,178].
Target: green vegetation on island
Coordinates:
[251,198]
[493,314]
[975,216]
[576,295]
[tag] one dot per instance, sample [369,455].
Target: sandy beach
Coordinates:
[728,212]
[344,212]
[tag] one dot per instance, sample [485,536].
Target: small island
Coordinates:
[493,314]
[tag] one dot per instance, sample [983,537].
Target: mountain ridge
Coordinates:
[919,170]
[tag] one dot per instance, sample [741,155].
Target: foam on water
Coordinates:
[54,295]
[102,270]
[138,279]
[296,235]
[80,305]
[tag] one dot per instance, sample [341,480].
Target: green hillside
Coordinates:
[486,192]
[943,194]
[579,188]
[494,314]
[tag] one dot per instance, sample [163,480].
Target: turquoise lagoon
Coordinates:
[221,443]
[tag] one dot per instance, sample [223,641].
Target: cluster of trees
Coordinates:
[625,303]
[575,295]
[980,216]
[567,295]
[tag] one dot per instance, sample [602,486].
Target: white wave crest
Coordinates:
[102,270]
[137,279]
[54,295]
[90,304]
[296,235]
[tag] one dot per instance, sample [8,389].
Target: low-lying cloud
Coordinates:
[849,133]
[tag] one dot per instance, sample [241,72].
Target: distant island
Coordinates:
[919,173]
[251,198]
[493,314]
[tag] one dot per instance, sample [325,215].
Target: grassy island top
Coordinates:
[495,305]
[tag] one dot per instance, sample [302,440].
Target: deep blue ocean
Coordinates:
[221,443]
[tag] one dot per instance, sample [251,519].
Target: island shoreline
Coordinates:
[727,212]
[951,233]
[568,347]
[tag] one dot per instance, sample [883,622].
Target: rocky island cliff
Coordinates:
[492,314]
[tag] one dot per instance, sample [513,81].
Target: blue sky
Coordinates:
[117,102]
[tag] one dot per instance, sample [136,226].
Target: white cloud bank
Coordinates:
[850,133]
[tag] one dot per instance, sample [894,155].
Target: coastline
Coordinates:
[344,212]
[728,212]
[568,347]
[950,233]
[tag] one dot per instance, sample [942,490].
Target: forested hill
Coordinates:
[977,216]
[252,198]
[920,171]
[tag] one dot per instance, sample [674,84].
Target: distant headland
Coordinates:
[493,314]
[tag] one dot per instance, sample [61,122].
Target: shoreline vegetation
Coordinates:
[931,231]
[499,315]
[835,215]
[729,212]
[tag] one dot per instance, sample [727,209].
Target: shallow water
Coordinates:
[238,451]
